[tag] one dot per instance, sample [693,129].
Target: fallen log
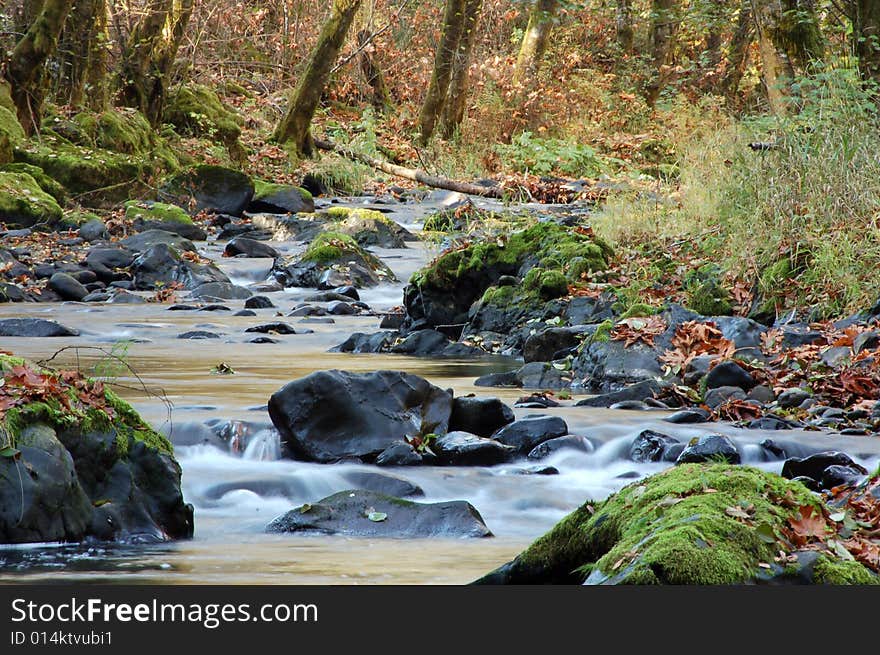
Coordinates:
[413,173]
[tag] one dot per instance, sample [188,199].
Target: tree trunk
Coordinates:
[866,38]
[776,67]
[534,42]
[664,25]
[799,32]
[456,97]
[25,68]
[624,25]
[295,125]
[83,56]
[739,51]
[453,26]
[381,99]
[716,19]
[149,55]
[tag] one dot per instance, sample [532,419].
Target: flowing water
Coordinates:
[236,495]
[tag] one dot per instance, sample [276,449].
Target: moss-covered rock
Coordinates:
[155,211]
[24,203]
[547,284]
[209,188]
[705,292]
[368,227]
[47,184]
[280,199]
[442,292]
[196,110]
[332,259]
[120,478]
[695,524]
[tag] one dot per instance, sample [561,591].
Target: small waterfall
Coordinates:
[264,446]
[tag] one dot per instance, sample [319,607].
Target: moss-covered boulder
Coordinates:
[11,133]
[46,183]
[78,462]
[196,110]
[24,203]
[280,199]
[147,215]
[443,292]
[331,260]
[209,188]
[695,524]
[369,227]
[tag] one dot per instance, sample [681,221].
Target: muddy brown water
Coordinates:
[230,545]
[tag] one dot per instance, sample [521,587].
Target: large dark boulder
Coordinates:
[245,247]
[67,287]
[816,466]
[368,514]
[480,416]
[34,327]
[530,431]
[332,415]
[729,374]
[143,241]
[210,188]
[280,199]
[650,446]
[709,448]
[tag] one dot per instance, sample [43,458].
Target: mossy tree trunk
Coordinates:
[381,98]
[444,56]
[82,56]
[866,38]
[738,53]
[664,26]
[534,43]
[295,126]
[799,32]
[776,67]
[149,55]
[457,95]
[25,69]
[624,26]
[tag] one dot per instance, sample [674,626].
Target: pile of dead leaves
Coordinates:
[850,530]
[633,330]
[693,339]
[22,385]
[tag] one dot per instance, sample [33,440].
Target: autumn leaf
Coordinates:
[808,523]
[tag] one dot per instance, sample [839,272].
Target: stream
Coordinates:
[235,496]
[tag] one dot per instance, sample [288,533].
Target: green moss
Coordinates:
[838,572]
[10,126]
[705,293]
[603,332]
[442,221]
[682,526]
[547,284]
[24,203]
[639,309]
[500,295]
[46,183]
[77,219]
[196,110]
[156,211]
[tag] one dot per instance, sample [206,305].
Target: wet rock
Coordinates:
[349,513]
[836,356]
[391,321]
[12,293]
[264,340]
[109,258]
[258,302]
[198,334]
[340,308]
[330,415]
[67,287]
[193,433]
[610,366]
[214,307]
[729,374]
[541,375]
[650,446]
[366,343]
[277,327]
[370,228]
[317,321]
[221,290]
[281,199]
[531,431]
[480,416]
[744,332]
[243,246]
[865,341]
[638,391]
[836,476]
[327,296]
[399,453]
[508,379]
[710,448]
[536,401]
[431,343]
[34,327]
[308,310]
[180,307]
[551,344]
[330,261]
[568,442]
[212,188]
[123,297]
[143,241]
[814,466]
[382,483]
[465,449]
[720,395]
[348,291]
[163,265]
[762,394]
[537,470]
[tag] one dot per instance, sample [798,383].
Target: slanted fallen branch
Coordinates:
[413,173]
